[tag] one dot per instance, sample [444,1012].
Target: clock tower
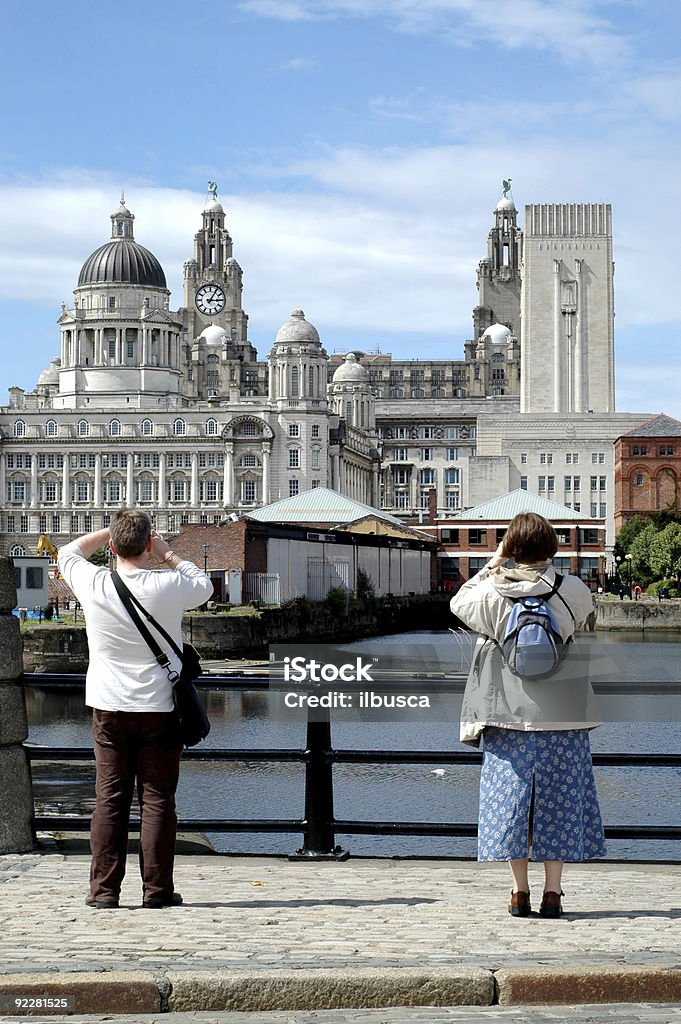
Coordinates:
[213,282]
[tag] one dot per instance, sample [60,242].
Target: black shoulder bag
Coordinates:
[194,724]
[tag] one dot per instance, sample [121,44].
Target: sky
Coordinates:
[359,148]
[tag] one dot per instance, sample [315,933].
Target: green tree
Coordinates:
[640,555]
[664,554]
[629,533]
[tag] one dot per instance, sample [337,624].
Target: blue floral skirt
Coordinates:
[539,784]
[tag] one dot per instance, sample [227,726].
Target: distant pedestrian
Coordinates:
[537,790]
[134,725]
[637,592]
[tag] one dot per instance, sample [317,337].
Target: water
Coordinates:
[641,722]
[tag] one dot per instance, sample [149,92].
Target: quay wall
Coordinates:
[644,614]
[57,648]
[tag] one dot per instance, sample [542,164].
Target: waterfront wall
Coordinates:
[16,796]
[64,648]
[645,614]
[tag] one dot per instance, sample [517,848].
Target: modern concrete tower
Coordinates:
[567,325]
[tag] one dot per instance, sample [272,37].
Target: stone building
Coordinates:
[172,410]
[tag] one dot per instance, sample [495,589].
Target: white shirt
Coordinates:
[123,674]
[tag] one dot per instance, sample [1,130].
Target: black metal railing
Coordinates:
[319,826]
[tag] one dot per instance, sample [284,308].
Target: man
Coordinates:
[134,727]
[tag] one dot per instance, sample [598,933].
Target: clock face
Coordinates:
[210,299]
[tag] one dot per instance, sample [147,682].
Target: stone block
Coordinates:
[258,991]
[114,992]
[605,983]
[16,802]
[11,647]
[13,724]
[8,590]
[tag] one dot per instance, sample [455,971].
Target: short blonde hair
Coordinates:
[130,531]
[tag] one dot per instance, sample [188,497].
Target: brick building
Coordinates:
[468,540]
[648,469]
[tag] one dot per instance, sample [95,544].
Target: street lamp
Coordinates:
[628,558]
[206,549]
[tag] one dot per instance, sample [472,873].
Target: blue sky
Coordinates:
[358,146]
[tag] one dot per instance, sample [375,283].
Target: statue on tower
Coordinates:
[213,190]
[506,186]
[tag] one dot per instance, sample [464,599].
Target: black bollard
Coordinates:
[318,834]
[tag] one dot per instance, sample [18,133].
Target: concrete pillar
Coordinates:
[16,795]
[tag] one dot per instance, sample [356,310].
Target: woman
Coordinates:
[537,787]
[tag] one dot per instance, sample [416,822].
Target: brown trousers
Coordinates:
[129,746]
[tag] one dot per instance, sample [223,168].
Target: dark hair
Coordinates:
[130,531]
[530,538]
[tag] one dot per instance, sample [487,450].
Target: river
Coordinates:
[640,721]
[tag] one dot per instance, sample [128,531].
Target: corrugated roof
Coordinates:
[506,506]
[656,426]
[318,505]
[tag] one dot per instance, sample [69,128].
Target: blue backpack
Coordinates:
[532,646]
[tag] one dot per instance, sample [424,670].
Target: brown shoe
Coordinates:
[551,905]
[520,904]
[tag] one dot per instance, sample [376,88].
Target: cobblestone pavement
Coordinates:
[271,933]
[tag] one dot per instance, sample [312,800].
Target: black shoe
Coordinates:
[157,902]
[102,902]
[520,904]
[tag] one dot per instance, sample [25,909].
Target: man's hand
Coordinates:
[159,547]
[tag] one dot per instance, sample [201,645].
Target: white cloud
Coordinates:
[299,64]
[510,24]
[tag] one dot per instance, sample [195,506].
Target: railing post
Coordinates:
[16,795]
[319,836]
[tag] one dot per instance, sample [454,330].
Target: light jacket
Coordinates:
[494,696]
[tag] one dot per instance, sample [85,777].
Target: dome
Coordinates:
[50,374]
[351,371]
[213,335]
[506,204]
[498,334]
[122,261]
[297,331]
[213,206]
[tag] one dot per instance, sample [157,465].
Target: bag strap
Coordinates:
[555,590]
[129,600]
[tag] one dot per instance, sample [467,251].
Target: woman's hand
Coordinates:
[498,558]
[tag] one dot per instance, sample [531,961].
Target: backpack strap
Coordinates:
[555,591]
[129,600]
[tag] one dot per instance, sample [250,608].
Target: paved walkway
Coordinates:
[270,934]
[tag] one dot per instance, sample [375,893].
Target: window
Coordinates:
[417,393]
[82,490]
[523,458]
[588,536]
[401,454]
[112,490]
[16,490]
[211,428]
[428,433]
[437,393]
[542,483]
[550,483]
[602,509]
[83,428]
[130,349]
[115,428]
[475,565]
[294,384]
[49,494]
[10,529]
[112,298]
[501,530]
[111,348]
[401,500]
[56,524]
[146,490]
[449,536]
[210,490]
[315,459]
[315,430]
[294,458]
[249,430]
[249,460]
[248,491]
[178,490]
[639,450]
[315,483]
[424,497]
[477,536]
[51,428]
[146,428]
[19,429]
[426,455]
[427,476]
[598,457]
[452,475]
[179,428]
[573,483]
[294,430]
[452,454]
[563,536]
[396,393]
[639,479]
[293,488]
[523,483]
[34,577]
[545,458]
[571,458]
[666,450]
